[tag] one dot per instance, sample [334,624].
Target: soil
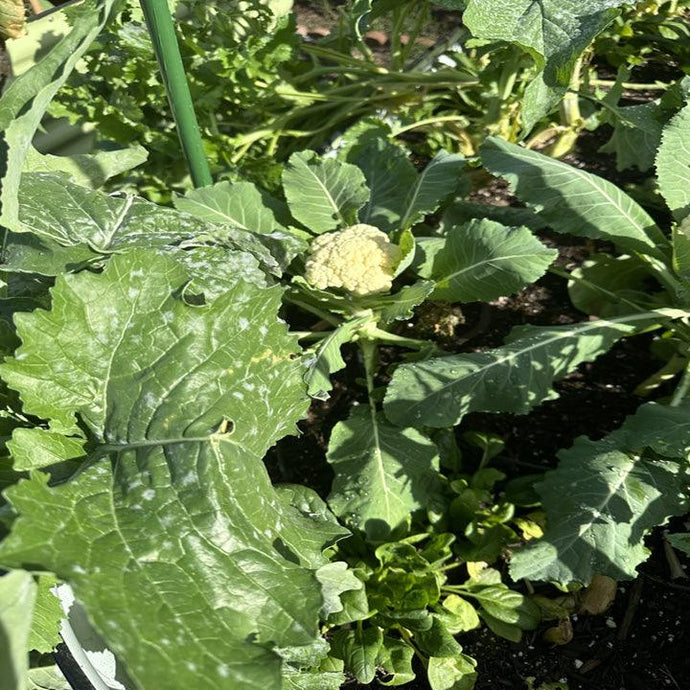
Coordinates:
[316,17]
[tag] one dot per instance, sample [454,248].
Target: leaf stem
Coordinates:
[630,86]
[310,335]
[429,121]
[407,636]
[162,30]
[370,357]
[378,333]
[329,318]
[683,388]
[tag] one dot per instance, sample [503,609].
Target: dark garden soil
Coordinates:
[642,642]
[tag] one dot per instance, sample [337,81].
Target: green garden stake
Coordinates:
[162,30]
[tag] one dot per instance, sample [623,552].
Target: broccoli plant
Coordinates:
[635,478]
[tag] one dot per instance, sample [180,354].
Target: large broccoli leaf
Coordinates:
[482,260]
[382,473]
[323,194]
[188,562]
[553,32]
[65,225]
[513,378]
[606,495]
[572,200]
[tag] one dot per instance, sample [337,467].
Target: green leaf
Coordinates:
[508,631]
[408,244]
[681,250]
[435,183]
[415,619]
[680,541]
[508,606]
[553,32]
[323,194]
[396,661]
[89,170]
[37,448]
[325,358]
[382,473]
[48,614]
[47,678]
[636,135]
[239,205]
[400,306]
[389,175]
[17,598]
[359,649]
[605,496]
[66,225]
[215,270]
[243,206]
[138,287]
[320,527]
[482,260]
[335,579]
[452,673]
[404,584]
[673,164]
[26,99]
[306,656]
[173,528]
[603,281]
[296,679]
[664,429]
[513,378]
[458,615]
[573,201]
[355,607]
[462,211]
[437,641]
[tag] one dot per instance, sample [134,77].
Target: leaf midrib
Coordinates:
[593,182]
[492,260]
[543,343]
[326,192]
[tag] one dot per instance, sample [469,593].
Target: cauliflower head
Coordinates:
[359,259]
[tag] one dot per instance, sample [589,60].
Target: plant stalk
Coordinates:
[162,30]
[683,389]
